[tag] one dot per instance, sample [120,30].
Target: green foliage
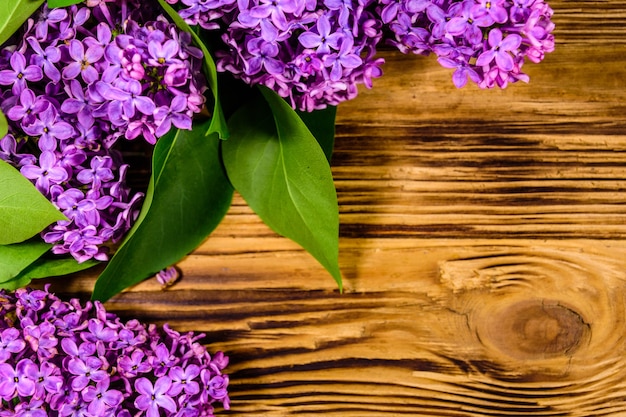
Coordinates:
[24,211]
[278,159]
[62,3]
[218,122]
[321,123]
[13,13]
[46,267]
[15,258]
[281,171]
[188,196]
[4,125]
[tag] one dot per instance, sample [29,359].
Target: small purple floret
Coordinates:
[60,358]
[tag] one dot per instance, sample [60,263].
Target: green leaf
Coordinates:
[15,258]
[278,167]
[4,125]
[62,3]
[46,268]
[55,267]
[13,13]
[15,283]
[24,211]
[218,120]
[188,196]
[321,123]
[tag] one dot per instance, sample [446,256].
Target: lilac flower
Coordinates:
[184,379]
[101,399]
[41,339]
[99,172]
[19,73]
[15,380]
[46,58]
[98,72]
[485,41]
[47,377]
[48,18]
[323,40]
[79,380]
[345,58]
[10,342]
[126,99]
[29,105]
[175,114]
[464,23]
[151,398]
[163,53]
[263,56]
[167,276]
[48,172]
[83,61]
[134,364]
[293,47]
[501,50]
[489,12]
[86,371]
[49,127]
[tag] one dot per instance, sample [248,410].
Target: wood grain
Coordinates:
[482,245]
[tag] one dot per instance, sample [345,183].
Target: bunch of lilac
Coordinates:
[76,80]
[313,53]
[61,358]
[483,40]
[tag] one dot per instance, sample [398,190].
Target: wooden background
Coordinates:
[482,246]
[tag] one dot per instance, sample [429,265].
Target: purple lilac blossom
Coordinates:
[486,41]
[67,358]
[80,79]
[313,53]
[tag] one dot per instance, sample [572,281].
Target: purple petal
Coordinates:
[94,53]
[274,66]
[511,42]
[76,50]
[504,61]
[495,37]
[309,39]
[181,121]
[145,105]
[485,58]
[71,71]
[144,386]
[18,62]
[62,130]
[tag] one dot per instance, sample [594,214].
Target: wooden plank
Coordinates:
[426,327]
[482,246]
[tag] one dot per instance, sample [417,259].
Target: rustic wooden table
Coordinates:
[482,245]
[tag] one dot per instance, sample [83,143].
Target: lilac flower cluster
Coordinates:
[313,53]
[78,79]
[485,41]
[69,359]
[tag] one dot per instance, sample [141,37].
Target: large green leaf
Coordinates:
[279,168]
[17,257]
[321,123]
[4,125]
[62,3]
[188,196]
[218,121]
[24,211]
[48,267]
[45,267]
[13,13]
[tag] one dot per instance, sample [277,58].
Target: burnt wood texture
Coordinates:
[482,246]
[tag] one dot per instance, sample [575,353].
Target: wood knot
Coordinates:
[537,329]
